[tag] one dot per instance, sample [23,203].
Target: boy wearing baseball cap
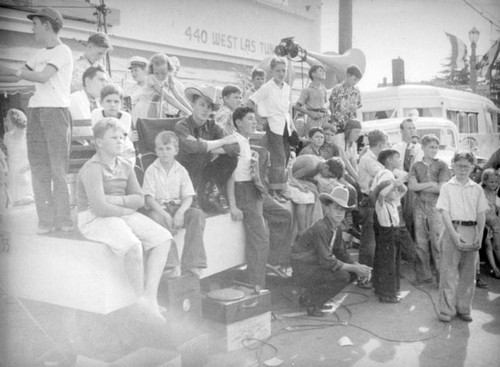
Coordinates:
[97,46]
[48,134]
[320,260]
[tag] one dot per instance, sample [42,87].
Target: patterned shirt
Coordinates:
[224,118]
[329,150]
[81,64]
[344,103]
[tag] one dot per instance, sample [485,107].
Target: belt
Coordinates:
[465,223]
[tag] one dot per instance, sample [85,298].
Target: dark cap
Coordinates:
[49,13]
[100,40]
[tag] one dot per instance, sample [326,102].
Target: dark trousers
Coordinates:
[320,284]
[367,241]
[193,253]
[279,223]
[387,262]
[249,200]
[48,139]
[279,152]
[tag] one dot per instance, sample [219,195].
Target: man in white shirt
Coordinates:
[48,119]
[409,152]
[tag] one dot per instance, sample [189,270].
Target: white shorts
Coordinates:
[123,233]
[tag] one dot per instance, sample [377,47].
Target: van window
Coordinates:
[377,115]
[467,122]
[424,112]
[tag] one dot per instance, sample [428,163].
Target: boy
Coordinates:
[96,48]
[169,196]
[389,238]
[111,102]
[249,202]
[258,79]
[320,260]
[316,139]
[313,100]
[463,205]
[84,101]
[425,179]
[108,198]
[345,99]
[231,98]
[48,131]
[273,103]
[329,149]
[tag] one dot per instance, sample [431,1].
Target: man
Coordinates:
[137,67]
[346,99]
[48,119]
[203,149]
[410,152]
[97,46]
[368,168]
[84,101]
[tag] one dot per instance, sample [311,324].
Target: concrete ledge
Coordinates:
[67,270]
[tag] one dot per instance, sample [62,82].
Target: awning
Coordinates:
[17,88]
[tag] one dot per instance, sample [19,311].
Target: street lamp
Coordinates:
[473,37]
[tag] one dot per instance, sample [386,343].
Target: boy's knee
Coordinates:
[194,216]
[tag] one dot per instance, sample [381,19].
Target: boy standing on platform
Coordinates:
[313,100]
[108,198]
[463,205]
[48,132]
[169,196]
[249,202]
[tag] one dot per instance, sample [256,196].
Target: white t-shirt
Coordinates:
[55,91]
[273,103]
[242,171]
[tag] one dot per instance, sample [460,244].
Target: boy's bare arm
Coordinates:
[236,213]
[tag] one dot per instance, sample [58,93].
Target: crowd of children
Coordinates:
[384,199]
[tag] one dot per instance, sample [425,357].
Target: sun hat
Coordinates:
[138,61]
[49,13]
[208,92]
[339,195]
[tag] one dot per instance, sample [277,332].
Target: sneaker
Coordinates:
[464,316]
[278,270]
[44,230]
[69,228]
[196,271]
[481,284]
[173,273]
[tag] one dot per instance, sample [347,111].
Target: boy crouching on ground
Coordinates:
[320,260]
[463,205]
[108,197]
[169,196]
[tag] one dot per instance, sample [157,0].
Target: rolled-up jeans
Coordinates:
[48,138]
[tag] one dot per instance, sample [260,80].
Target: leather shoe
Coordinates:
[444,318]
[464,316]
[315,312]
[364,284]
[385,299]
[481,284]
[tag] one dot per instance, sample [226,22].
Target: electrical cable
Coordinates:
[482,14]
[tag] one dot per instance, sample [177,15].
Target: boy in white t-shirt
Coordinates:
[48,134]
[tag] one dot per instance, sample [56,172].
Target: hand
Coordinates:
[166,221]
[178,220]
[236,214]
[456,238]
[134,136]
[363,271]
[190,138]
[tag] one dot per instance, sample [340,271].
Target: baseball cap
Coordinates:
[49,13]
[100,40]
[138,61]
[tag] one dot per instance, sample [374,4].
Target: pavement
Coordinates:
[360,331]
